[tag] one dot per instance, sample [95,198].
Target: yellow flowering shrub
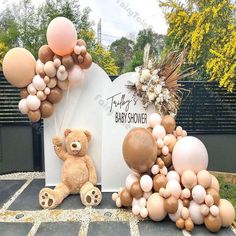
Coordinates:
[3,51]
[206,28]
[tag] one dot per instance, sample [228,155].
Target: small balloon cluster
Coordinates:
[60,65]
[170,177]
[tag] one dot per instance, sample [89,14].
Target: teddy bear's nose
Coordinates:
[74,145]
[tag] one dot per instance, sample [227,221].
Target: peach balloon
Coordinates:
[189,154]
[227,212]
[155,207]
[204,209]
[154,119]
[204,178]
[215,183]
[19,67]
[61,36]
[31,89]
[174,187]
[195,213]
[189,179]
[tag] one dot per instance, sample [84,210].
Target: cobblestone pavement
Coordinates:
[21,215]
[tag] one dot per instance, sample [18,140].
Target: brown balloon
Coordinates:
[180,223]
[46,109]
[126,198]
[167,160]
[172,142]
[87,61]
[186,203]
[24,93]
[45,54]
[34,116]
[136,190]
[171,205]
[81,42]
[212,223]
[68,61]
[159,181]
[159,152]
[168,122]
[189,225]
[139,150]
[80,59]
[63,84]
[55,95]
[75,58]
[214,194]
[160,163]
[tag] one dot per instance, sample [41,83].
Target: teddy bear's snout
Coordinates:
[76,146]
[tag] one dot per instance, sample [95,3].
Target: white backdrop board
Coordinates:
[79,108]
[122,112]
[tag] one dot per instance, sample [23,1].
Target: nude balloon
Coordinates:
[155,207]
[215,183]
[173,175]
[195,213]
[189,153]
[19,67]
[198,194]
[61,36]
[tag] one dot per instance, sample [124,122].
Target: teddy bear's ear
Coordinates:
[88,134]
[67,131]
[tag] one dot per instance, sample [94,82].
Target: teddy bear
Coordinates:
[78,174]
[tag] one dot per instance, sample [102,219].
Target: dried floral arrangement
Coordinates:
[157,84]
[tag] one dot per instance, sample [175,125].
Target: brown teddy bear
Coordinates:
[78,171]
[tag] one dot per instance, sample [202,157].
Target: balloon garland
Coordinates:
[170,178]
[61,64]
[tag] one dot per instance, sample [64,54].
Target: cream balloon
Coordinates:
[23,106]
[227,212]
[174,187]
[33,102]
[189,154]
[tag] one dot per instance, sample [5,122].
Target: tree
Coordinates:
[25,26]
[146,36]
[3,51]
[206,28]
[122,51]
[104,58]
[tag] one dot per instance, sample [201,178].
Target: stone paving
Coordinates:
[21,215]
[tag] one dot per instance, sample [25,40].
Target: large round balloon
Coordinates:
[61,36]
[19,67]
[189,154]
[139,150]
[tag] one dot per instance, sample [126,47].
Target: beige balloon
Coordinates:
[19,67]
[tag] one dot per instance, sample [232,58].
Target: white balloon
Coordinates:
[23,106]
[195,213]
[130,179]
[146,183]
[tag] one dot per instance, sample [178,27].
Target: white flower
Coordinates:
[158,89]
[144,87]
[146,75]
[151,96]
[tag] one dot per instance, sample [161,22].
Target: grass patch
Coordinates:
[227,190]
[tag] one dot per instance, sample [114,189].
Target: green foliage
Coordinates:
[227,190]
[122,51]
[207,30]
[104,58]
[25,26]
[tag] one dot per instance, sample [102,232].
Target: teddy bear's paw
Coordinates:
[47,199]
[57,141]
[92,197]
